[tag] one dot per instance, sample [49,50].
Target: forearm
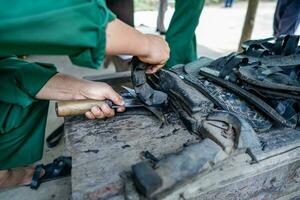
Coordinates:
[61,87]
[123,39]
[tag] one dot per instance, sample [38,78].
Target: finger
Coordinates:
[153,69]
[89,115]
[107,111]
[121,109]
[150,70]
[97,112]
[114,97]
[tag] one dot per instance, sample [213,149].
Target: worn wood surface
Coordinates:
[103,149]
[235,178]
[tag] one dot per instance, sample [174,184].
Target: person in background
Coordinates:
[286,17]
[228,3]
[84,30]
[181,32]
[162,8]
[123,9]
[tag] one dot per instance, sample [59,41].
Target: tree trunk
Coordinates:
[249,21]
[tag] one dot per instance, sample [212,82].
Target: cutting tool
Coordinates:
[79,107]
[155,110]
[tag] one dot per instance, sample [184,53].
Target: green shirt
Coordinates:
[66,27]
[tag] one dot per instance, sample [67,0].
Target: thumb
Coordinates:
[114,97]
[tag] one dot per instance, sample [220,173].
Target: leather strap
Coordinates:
[35,183]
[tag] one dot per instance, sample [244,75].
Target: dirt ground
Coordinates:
[217,34]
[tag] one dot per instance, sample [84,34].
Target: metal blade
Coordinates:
[155,111]
[130,91]
[130,103]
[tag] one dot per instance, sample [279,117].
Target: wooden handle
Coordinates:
[78,107]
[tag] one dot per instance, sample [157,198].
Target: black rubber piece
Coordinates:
[143,90]
[53,139]
[146,180]
[252,99]
[150,156]
[227,100]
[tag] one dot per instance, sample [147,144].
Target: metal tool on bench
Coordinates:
[155,110]
[79,107]
[146,97]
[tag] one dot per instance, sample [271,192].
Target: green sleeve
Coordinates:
[21,80]
[65,27]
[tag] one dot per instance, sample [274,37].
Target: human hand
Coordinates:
[62,87]
[100,91]
[157,54]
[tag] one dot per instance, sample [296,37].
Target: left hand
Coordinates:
[157,54]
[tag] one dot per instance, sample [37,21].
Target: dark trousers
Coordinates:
[228,3]
[286,17]
[124,9]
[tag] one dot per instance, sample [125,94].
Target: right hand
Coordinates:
[100,91]
[62,87]
[158,53]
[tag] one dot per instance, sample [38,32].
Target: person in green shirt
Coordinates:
[85,30]
[181,32]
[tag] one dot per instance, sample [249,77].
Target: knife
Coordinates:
[155,110]
[79,107]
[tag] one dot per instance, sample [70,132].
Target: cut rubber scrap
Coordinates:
[176,167]
[252,99]
[189,98]
[275,78]
[145,178]
[231,131]
[193,67]
[283,45]
[225,99]
[59,168]
[53,139]
[266,93]
[225,65]
[276,60]
[144,91]
[246,136]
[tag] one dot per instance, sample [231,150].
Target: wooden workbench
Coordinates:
[104,150]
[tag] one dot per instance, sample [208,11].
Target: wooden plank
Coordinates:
[101,150]
[237,179]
